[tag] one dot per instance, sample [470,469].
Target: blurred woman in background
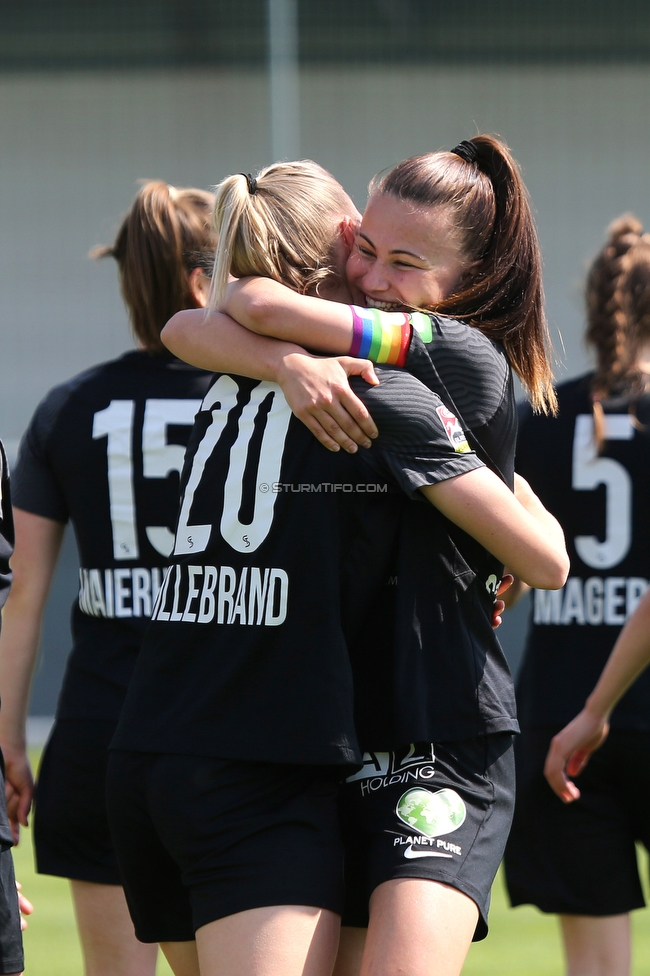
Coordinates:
[591,467]
[103,451]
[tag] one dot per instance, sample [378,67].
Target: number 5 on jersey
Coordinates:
[589,471]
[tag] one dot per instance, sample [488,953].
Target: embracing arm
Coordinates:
[38,542]
[571,748]
[519,533]
[269,308]
[317,390]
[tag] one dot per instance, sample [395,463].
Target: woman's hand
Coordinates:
[19,789]
[570,751]
[25,906]
[500,605]
[318,392]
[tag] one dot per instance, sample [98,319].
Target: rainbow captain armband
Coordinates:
[384,337]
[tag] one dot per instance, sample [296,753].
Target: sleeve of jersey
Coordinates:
[33,484]
[6,529]
[384,337]
[420,440]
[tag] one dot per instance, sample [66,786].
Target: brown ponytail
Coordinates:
[164,236]
[618,313]
[502,294]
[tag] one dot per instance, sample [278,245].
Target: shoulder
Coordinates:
[477,353]
[465,366]
[451,332]
[399,394]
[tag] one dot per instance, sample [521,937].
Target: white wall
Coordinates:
[73,147]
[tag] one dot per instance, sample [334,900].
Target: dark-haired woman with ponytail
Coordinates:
[591,468]
[103,451]
[449,234]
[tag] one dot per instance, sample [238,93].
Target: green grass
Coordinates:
[522,941]
[51,947]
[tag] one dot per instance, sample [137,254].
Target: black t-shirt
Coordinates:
[427,664]
[601,501]
[105,450]
[471,374]
[6,528]
[246,654]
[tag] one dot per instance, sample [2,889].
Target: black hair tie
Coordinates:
[466,150]
[251,183]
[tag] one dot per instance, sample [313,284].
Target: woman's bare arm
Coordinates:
[317,390]
[520,534]
[38,542]
[269,308]
[571,748]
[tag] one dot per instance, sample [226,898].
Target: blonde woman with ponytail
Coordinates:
[103,451]
[591,467]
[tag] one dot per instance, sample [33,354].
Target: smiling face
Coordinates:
[404,255]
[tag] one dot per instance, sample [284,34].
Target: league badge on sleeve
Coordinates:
[453,430]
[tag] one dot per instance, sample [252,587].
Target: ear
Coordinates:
[347,231]
[199,287]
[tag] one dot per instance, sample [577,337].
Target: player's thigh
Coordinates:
[418,927]
[108,940]
[182,957]
[158,901]
[437,813]
[280,940]
[71,833]
[596,946]
[350,951]
[582,843]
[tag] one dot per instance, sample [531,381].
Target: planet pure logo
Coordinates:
[431,814]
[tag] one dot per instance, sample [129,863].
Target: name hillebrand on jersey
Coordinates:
[119,592]
[253,596]
[594,601]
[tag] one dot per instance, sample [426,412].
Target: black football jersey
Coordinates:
[6,528]
[105,450]
[427,664]
[601,501]
[472,375]
[246,655]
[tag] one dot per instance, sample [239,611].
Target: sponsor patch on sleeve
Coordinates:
[453,430]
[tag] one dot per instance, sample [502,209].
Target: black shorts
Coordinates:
[199,838]
[439,812]
[11,937]
[71,834]
[580,858]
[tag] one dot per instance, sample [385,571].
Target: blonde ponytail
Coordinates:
[281,224]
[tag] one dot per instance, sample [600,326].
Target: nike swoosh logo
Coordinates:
[410,852]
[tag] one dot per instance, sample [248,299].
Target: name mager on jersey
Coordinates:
[246,655]
[601,500]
